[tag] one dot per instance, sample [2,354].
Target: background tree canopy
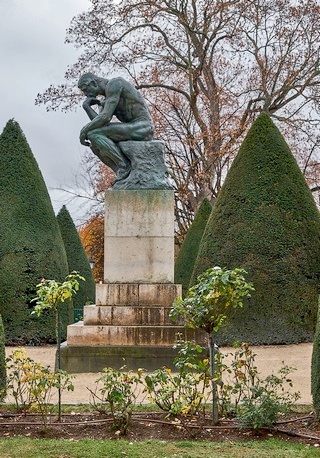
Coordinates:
[207,69]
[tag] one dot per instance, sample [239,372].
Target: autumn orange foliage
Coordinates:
[92,238]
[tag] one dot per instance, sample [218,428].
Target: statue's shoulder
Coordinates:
[117,80]
[116,84]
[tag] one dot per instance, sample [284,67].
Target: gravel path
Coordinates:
[268,360]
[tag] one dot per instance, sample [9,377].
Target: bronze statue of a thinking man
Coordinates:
[122,100]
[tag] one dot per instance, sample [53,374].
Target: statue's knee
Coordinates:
[91,137]
[97,137]
[94,139]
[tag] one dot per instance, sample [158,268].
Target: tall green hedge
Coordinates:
[31,245]
[184,263]
[315,369]
[265,220]
[3,371]
[77,259]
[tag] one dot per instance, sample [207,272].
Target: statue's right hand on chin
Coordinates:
[90,101]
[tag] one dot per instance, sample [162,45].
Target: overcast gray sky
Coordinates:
[33,55]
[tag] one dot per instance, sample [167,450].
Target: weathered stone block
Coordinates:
[139,237]
[93,359]
[144,213]
[117,294]
[136,260]
[79,335]
[126,316]
[159,294]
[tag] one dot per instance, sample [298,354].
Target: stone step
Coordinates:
[93,359]
[162,294]
[80,335]
[126,316]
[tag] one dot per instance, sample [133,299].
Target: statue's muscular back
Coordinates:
[131,106]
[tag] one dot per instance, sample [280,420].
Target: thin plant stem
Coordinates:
[59,360]
[212,355]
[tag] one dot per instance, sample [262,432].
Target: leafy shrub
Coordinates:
[255,402]
[183,394]
[235,380]
[267,399]
[209,304]
[118,391]
[32,385]
[241,392]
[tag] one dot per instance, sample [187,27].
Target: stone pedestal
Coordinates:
[139,237]
[130,324]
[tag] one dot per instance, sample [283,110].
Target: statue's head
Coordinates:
[86,78]
[89,84]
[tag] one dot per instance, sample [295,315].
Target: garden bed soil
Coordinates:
[299,428]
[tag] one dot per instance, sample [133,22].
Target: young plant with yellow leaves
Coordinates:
[51,295]
[217,294]
[31,385]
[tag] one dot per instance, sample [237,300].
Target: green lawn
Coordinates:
[43,448]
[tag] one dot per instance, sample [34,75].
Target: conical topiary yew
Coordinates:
[265,221]
[77,260]
[31,245]
[3,367]
[187,255]
[315,369]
